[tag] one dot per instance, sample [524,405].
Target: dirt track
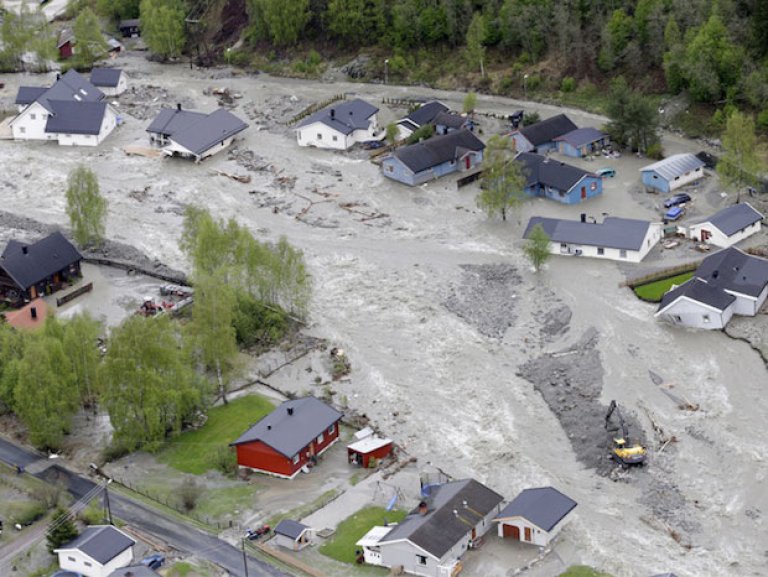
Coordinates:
[433,364]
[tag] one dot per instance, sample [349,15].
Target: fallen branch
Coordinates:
[307,208]
[245,179]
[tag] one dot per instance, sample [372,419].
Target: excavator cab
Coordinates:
[623,451]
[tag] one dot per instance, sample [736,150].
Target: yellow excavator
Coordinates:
[623,450]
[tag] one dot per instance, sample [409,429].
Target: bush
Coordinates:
[189,492]
[114,451]
[93,514]
[225,460]
[30,514]
[568,84]
[655,151]
[762,120]
[255,324]
[533,82]
[531,118]
[426,131]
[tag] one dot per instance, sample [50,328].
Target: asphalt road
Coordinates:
[178,535]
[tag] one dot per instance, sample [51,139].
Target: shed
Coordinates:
[97,552]
[446,122]
[66,44]
[130,28]
[673,172]
[535,516]
[727,227]
[368,448]
[293,535]
[582,142]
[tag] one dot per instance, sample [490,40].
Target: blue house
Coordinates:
[558,181]
[673,172]
[541,136]
[446,122]
[415,164]
[582,142]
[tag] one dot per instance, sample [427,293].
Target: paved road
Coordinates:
[175,533]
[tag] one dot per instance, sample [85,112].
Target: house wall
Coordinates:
[113,91]
[322,136]
[521,142]
[718,238]
[30,124]
[289,543]
[570,249]
[174,148]
[592,185]
[654,180]
[393,168]
[744,305]
[581,151]
[689,313]
[66,50]
[365,458]
[79,562]
[107,126]
[263,458]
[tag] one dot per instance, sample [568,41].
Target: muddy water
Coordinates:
[434,381]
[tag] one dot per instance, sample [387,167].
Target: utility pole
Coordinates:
[386,71]
[245,558]
[107,509]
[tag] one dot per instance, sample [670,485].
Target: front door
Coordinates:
[512,531]
[705,235]
[33,292]
[583,192]
[528,534]
[468,161]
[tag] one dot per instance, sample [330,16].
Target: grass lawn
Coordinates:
[583,571]
[196,451]
[653,292]
[215,503]
[342,545]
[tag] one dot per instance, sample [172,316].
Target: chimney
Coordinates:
[178,106]
[583,217]
[423,508]
[33,312]
[715,273]
[290,411]
[269,427]
[333,113]
[24,249]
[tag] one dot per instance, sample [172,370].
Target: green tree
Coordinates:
[61,529]
[470,102]
[80,338]
[674,57]
[392,133]
[117,10]
[537,247]
[502,185]
[616,36]
[739,165]
[12,344]
[150,389]
[475,48]
[282,21]
[353,21]
[162,26]
[634,120]
[43,42]
[90,43]
[86,208]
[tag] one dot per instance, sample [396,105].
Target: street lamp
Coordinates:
[386,71]
[525,86]
[228,59]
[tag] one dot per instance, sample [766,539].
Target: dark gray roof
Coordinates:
[105,76]
[408,124]
[70,117]
[130,23]
[730,269]
[344,117]
[72,86]
[102,543]
[450,120]
[28,94]
[437,150]
[582,136]
[134,571]
[547,130]
[43,258]
[699,291]
[734,218]
[171,120]
[674,166]
[426,113]
[613,232]
[546,171]
[545,507]
[288,434]
[665,575]
[448,519]
[289,528]
[209,131]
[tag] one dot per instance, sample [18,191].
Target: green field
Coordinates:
[583,571]
[342,545]
[196,451]
[652,292]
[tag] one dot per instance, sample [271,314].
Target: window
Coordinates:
[622,253]
[335,138]
[677,318]
[33,116]
[705,318]
[319,136]
[677,178]
[77,98]
[22,130]
[87,564]
[331,429]
[71,559]
[600,251]
[320,438]
[422,559]
[295,459]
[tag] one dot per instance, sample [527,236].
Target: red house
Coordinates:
[289,438]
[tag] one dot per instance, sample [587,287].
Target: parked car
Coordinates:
[254,534]
[680,198]
[606,172]
[64,573]
[372,144]
[674,213]
[154,561]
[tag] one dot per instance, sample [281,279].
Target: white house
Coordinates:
[71,112]
[340,126]
[293,535]
[111,81]
[97,552]
[422,116]
[672,172]
[432,540]
[621,239]
[194,134]
[728,227]
[535,516]
[726,283]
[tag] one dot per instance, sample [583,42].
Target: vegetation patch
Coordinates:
[583,571]
[652,292]
[216,503]
[342,546]
[198,451]
[306,509]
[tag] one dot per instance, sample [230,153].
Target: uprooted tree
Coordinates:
[86,207]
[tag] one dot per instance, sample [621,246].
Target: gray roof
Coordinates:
[209,131]
[735,218]
[290,433]
[344,117]
[454,509]
[171,120]
[582,136]
[730,269]
[134,571]
[546,171]
[426,113]
[547,130]
[674,166]
[42,259]
[699,291]
[102,543]
[545,507]
[437,150]
[291,529]
[28,94]
[130,23]
[105,76]
[70,117]
[665,575]
[450,120]
[73,87]
[613,232]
